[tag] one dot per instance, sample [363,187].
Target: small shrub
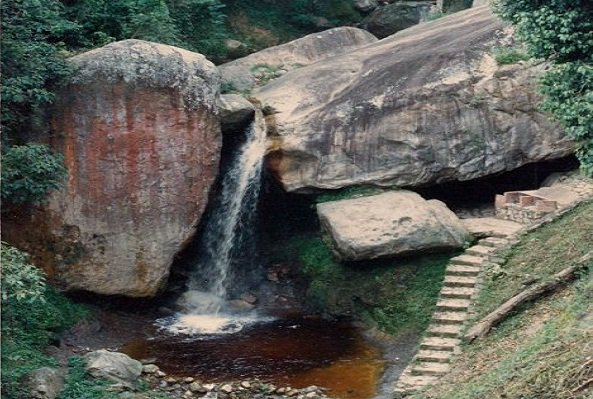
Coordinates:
[80,385]
[31,313]
[509,55]
[30,172]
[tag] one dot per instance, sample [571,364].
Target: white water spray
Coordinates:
[230,220]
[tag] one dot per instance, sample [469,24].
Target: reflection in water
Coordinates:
[299,353]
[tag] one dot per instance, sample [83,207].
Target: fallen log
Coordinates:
[503,311]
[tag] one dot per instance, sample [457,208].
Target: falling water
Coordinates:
[230,222]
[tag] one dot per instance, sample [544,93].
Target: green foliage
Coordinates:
[30,172]
[31,312]
[561,31]
[32,60]
[509,55]
[80,385]
[21,281]
[397,295]
[569,97]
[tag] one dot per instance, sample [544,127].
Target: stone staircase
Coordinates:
[443,335]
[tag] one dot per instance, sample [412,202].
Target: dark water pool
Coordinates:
[289,352]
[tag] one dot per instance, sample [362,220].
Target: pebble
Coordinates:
[188,394]
[227,388]
[246,384]
[160,373]
[150,369]
[188,380]
[196,387]
[171,380]
[311,395]
[209,387]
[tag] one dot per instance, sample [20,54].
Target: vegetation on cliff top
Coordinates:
[561,31]
[544,351]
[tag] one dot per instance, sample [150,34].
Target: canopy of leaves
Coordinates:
[562,32]
[32,60]
[30,172]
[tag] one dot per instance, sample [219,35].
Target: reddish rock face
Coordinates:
[141,156]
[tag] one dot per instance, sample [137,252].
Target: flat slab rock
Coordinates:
[491,227]
[390,224]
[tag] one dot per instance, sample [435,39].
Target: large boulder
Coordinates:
[113,366]
[244,73]
[391,18]
[139,130]
[390,224]
[426,105]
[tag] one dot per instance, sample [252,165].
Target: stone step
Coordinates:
[460,281]
[434,356]
[468,260]
[430,368]
[462,270]
[457,292]
[449,317]
[453,304]
[444,330]
[493,242]
[439,344]
[479,250]
[408,383]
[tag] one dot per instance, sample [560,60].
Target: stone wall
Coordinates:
[522,207]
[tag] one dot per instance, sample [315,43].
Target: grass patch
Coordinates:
[509,55]
[544,351]
[538,256]
[396,295]
[80,385]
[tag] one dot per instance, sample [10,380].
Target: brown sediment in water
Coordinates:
[296,353]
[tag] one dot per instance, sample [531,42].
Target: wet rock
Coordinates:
[366,5]
[239,305]
[249,298]
[113,366]
[44,383]
[138,127]
[390,224]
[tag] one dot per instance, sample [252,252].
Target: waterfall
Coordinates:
[231,221]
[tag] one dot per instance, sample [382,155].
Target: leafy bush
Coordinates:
[32,60]
[21,281]
[562,32]
[30,172]
[31,312]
